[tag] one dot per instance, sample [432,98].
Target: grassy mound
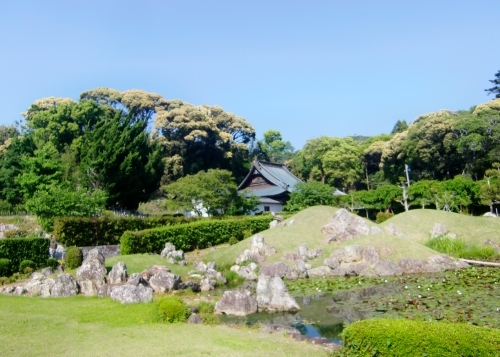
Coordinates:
[82,326]
[417,225]
[307,229]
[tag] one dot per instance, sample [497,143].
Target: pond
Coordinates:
[466,295]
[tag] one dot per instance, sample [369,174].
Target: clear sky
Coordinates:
[305,68]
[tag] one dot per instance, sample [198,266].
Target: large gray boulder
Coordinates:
[345,226]
[207,284]
[236,302]
[387,268]
[277,269]
[136,279]
[64,285]
[273,296]
[128,294]
[39,285]
[164,281]
[91,274]
[246,272]
[438,230]
[118,274]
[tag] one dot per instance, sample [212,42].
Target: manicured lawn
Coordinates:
[100,327]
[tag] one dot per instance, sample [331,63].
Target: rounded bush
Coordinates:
[52,263]
[233,240]
[171,309]
[74,257]
[383,216]
[27,264]
[5,267]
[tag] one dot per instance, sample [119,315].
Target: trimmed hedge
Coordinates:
[82,231]
[400,337]
[19,249]
[187,237]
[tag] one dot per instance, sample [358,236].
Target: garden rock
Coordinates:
[277,269]
[393,230]
[169,247]
[200,266]
[207,284]
[273,296]
[298,271]
[489,214]
[128,294]
[246,272]
[47,271]
[438,230]
[91,274]
[387,268]
[290,222]
[195,319]
[346,226]
[273,224]
[65,285]
[412,266]
[257,243]
[321,271]
[370,255]
[148,273]
[118,274]
[39,285]
[352,253]
[236,302]
[136,279]
[164,281]
[244,257]
[190,284]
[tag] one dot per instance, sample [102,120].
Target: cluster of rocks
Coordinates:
[366,261]
[346,226]
[173,256]
[245,262]
[272,296]
[63,285]
[279,221]
[207,275]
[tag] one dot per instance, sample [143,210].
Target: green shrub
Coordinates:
[233,240]
[206,307]
[171,309]
[16,233]
[74,258]
[390,337]
[5,267]
[187,237]
[4,280]
[52,263]
[383,216]
[26,264]
[82,232]
[19,249]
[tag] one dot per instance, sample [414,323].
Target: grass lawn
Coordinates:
[136,263]
[82,326]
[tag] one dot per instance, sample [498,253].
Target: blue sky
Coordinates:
[305,68]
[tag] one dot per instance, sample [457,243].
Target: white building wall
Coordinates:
[273,207]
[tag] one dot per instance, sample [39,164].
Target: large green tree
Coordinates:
[495,90]
[213,192]
[118,157]
[272,147]
[310,193]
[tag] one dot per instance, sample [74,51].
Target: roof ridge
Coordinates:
[280,182]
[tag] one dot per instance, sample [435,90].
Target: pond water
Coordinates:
[321,315]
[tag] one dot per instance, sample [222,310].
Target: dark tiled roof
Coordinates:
[277,174]
[267,191]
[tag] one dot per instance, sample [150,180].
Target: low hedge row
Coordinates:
[400,337]
[82,231]
[187,237]
[19,249]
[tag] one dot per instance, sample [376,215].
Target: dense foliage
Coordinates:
[19,249]
[170,309]
[81,232]
[74,257]
[187,237]
[389,337]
